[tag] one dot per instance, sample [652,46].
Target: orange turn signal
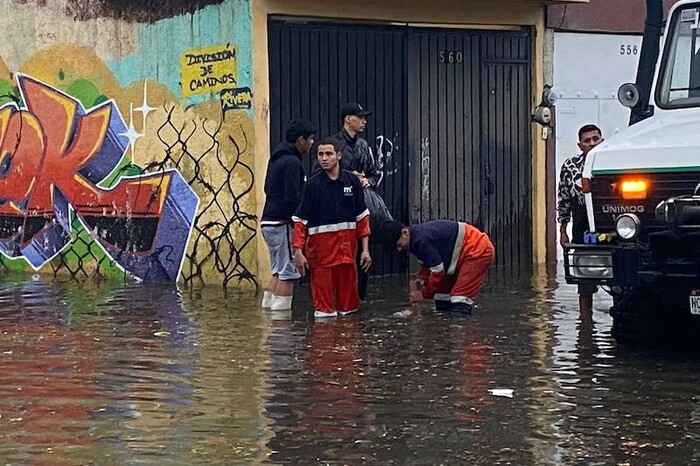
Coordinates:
[585,185]
[634,189]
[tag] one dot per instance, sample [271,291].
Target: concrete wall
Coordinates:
[127,140]
[617,16]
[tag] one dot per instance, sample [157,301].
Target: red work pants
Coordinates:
[335,288]
[471,271]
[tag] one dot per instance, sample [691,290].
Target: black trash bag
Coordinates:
[378,211]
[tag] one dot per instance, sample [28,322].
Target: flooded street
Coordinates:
[141,374]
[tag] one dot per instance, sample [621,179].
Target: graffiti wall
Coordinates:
[126,153]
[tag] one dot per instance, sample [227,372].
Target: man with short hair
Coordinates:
[283,185]
[454,260]
[331,218]
[358,158]
[571,205]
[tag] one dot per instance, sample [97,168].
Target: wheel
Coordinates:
[636,319]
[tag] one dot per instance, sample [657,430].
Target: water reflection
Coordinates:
[142,374]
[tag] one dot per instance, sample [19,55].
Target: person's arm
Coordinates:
[365,258]
[362,230]
[293,184]
[566,181]
[432,266]
[370,169]
[301,218]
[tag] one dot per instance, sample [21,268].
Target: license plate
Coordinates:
[695,302]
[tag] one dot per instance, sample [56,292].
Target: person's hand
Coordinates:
[365,260]
[415,296]
[363,179]
[301,263]
[415,285]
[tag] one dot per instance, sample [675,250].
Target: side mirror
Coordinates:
[629,94]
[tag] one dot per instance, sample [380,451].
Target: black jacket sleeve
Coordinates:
[369,166]
[293,184]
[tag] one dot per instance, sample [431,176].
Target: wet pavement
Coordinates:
[142,374]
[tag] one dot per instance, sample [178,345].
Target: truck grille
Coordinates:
[608,203]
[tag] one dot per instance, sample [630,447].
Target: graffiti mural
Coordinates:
[53,156]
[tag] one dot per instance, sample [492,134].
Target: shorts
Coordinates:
[279,242]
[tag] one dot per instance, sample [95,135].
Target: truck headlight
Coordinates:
[592,265]
[628,226]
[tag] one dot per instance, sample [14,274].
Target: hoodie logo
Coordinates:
[347,190]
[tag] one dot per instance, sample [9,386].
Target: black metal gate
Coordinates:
[451,126]
[469,136]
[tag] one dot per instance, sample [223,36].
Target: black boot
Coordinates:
[462,308]
[442,305]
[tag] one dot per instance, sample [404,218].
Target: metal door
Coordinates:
[317,67]
[451,123]
[469,127]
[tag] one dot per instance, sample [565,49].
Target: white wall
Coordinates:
[588,70]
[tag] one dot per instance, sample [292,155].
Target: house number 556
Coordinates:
[628,49]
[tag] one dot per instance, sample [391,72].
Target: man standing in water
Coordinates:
[571,206]
[357,158]
[283,184]
[331,218]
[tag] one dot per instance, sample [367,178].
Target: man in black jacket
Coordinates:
[358,158]
[283,186]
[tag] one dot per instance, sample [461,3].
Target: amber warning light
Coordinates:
[634,189]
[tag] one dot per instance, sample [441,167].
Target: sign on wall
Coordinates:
[208,70]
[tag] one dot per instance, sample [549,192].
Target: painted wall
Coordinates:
[126,140]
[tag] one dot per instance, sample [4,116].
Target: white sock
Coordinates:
[281,303]
[267,299]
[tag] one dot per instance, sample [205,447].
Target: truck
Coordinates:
[642,189]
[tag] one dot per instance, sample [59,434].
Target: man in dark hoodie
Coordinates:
[283,186]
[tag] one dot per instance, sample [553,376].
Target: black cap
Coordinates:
[353,108]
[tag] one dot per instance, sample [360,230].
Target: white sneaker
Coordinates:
[346,313]
[267,299]
[281,303]
[323,314]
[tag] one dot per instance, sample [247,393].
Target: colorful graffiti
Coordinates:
[53,156]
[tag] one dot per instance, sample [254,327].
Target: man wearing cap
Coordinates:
[357,158]
[357,155]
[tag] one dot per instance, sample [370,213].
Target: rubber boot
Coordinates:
[442,302]
[281,303]
[267,299]
[461,308]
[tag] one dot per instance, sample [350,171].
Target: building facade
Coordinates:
[135,137]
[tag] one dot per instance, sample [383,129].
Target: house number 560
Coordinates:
[450,56]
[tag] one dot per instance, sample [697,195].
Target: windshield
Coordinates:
[680,75]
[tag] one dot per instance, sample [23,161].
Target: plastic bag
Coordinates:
[378,211]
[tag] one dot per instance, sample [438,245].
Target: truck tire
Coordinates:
[635,319]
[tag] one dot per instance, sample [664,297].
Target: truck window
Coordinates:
[680,68]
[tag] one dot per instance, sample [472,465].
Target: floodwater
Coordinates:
[149,375]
